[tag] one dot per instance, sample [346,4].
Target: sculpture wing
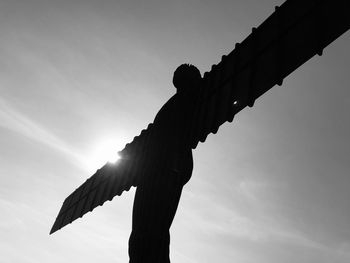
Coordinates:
[292,35]
[107,182]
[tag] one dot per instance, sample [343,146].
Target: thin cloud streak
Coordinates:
[17,122]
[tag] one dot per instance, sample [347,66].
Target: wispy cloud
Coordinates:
[16,121]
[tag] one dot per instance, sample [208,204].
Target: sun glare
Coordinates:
[105,151]
[111,156]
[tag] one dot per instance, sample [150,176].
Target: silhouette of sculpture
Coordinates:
[158,195]
[159,160]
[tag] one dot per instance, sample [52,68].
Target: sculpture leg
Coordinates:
[155,205]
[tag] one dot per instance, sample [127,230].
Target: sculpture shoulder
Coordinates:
[167,109]
[177,105]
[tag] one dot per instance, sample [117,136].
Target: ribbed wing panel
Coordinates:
[107,182]
[293,34]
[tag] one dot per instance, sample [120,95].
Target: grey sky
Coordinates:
[76,76]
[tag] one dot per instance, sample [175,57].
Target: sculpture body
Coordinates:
[158,194]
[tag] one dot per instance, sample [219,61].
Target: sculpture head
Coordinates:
[186,77]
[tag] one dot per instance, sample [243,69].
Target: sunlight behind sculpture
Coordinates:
[104,151]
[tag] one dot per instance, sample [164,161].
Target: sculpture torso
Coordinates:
[173,123]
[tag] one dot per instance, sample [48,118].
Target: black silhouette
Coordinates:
[157,195]
[159,160]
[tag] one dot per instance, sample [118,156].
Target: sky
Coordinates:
[80,79]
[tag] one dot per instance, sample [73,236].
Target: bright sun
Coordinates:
[105,151]
[110,155]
